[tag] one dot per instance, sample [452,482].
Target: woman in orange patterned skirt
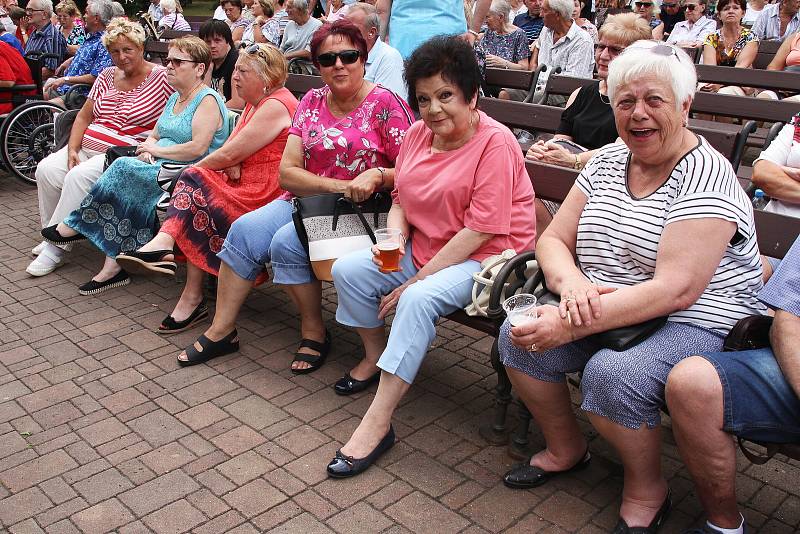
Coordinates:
[238,178]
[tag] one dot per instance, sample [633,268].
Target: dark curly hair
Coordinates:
[344,28]
[449,56]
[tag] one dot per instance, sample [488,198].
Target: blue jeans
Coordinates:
[360,286]
[759,404]
[267,235]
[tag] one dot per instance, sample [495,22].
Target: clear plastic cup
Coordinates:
[389,241]
[521,309]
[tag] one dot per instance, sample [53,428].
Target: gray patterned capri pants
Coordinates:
[625,387]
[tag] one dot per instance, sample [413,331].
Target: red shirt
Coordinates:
[482,186]
[12,68]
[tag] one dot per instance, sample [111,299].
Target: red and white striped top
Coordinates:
[121,118]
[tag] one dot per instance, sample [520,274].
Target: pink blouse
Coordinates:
[369,136]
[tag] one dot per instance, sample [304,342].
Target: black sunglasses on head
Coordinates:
[348,57]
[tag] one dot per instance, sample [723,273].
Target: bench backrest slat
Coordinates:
[765,54]
[514,79]
[767,79]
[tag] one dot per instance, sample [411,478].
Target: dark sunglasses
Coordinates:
[254,49]
[643,4]
[666,5]
[348,57]
[690,7]
[612,50]
[665,50]
[177,62]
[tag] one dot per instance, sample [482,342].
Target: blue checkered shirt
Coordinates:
[782,292]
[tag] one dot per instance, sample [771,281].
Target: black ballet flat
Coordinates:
[51,235]
[659,519]
[346,466]
[525,475]
[93,287]
[347,385]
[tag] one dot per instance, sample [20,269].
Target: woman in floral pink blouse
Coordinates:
[344,138]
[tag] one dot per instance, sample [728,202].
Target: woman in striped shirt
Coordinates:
[122,109]
[657,227]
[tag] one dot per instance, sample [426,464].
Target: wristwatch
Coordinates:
[382,170]
[578,163]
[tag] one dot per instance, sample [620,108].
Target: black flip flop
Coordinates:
[211,349]
[170,326]
[316,360]
[52,236]
[141,262]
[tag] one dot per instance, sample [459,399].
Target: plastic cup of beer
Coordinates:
[389,242]
[521,309]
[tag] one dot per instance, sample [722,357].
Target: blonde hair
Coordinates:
[625,28]
[268,7]
[67,7]
[120,27]
[197,49]
[269,63]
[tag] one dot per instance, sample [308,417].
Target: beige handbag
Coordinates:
[484,281]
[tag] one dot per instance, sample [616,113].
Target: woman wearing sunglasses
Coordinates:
[646,10]
[588,119]
[692,32]
[461,195]
[119,213]
[344,139]
[622,251]
[209,196]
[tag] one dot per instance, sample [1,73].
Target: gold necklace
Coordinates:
[181,101]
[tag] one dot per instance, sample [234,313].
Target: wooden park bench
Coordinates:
[766,53]
[195,21]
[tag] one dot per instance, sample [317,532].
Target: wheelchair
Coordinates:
[28,133]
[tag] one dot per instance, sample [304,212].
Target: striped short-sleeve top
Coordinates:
[618,234]
[121,118]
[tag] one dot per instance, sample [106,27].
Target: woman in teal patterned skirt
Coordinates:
[119,213]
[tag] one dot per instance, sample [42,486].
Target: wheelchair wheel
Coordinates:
[27,137]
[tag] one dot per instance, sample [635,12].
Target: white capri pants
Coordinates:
[61,190]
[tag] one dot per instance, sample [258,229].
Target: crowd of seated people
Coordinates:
[619,252]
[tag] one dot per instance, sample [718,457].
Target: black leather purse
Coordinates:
[618,339]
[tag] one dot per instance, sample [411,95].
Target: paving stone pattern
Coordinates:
[100,430]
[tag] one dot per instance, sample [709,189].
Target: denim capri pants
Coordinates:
[758,402]
[360,286]
[267,235]
[625,387]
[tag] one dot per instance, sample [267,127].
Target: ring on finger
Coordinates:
[533,347]
[569,299]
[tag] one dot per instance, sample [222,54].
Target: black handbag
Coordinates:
[331,225]
[116,152]
[618,339]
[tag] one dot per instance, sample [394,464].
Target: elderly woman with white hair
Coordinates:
[622,252]
[172,19]
[647,10]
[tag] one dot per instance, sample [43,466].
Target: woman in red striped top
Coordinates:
[122,108]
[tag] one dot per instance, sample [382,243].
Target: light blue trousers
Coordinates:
[360,286]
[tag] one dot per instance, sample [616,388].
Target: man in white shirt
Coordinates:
[154,10]
[693,31]
[384,64]
[296,41]
[777,21]
[562,43]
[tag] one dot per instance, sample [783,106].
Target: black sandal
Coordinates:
[211,349]
[170,326]
[315,360]
[52,236]
[141,262]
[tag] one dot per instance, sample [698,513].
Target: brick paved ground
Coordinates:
[100,430]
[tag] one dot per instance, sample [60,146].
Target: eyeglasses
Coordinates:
[643,4]
[612,50]
[32,11]
[348,57]
[667,5]
[255,50]
[177,62]
[690,7]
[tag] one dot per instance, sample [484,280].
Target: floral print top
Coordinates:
[369,136]
[76,36]
[511,46]
[726,57]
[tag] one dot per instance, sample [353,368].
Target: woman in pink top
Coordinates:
[344,138]
[461,195]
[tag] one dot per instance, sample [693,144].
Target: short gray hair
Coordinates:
[117,9]
[103,9]
[500,7]
[167,6]
[45,5]
[639,61]
[302,5]
[564,8]
[372,19]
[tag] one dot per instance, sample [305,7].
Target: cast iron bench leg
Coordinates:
[496,432]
